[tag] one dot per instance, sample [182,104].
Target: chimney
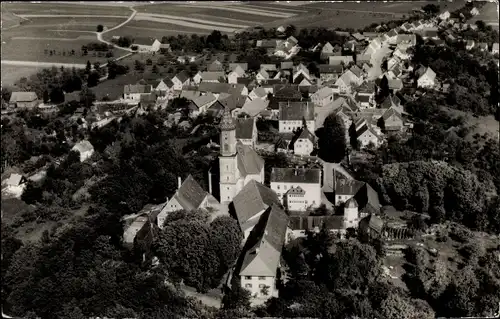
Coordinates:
[179,182]
[210,181]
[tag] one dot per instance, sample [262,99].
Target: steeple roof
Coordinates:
[227,123]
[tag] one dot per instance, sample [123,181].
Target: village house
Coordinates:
[213,76]
[304,143]
[262,260]
[197,78]
[285,181]
[140,228]
[85,149]
[147,45]
[238,163]
[322,97]
[201,104]
[393,121]
[302,81]
[215,66]
[363,59]
[367,135]
[134,91]
[301,70]
[236,73]
[292,116]
[180,80]
[163,86]
[366,197]
[374,46]
[23,100]
[406,27]
[326,51]
[190,196]
[474,11]
[246,131]
[262,75]
[14,185]
[347,80]
[329,72]
[427,78]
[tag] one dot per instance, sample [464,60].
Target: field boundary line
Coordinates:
[187,19]
[242,10]
[358,11]
[204,32]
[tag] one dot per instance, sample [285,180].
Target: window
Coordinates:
[278,187]
[248,277]
[248,285]
[262,278]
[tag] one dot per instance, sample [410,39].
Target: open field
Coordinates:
[72,9]
[33,49]
[9,20]
[11,74]
[489,14]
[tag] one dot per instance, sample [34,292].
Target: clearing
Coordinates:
[482,124]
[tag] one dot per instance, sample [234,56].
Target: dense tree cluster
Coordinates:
[474,86]
[444,191]
[339,279]
[198,252]
[462,286]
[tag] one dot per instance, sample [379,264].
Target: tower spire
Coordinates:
[227,122]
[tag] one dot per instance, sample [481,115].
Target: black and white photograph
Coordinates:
[250,159]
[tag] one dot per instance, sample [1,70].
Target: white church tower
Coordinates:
[229,173]
[351,214]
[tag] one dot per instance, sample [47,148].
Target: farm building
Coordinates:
[24,100]
[148,45]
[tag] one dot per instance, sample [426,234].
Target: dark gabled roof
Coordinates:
[306,134]
[296,111]
[249,162]
[213,75]
[362,98]
[245,81]
[183,76]
[244,128]
[263,258]
[295,175]
[272,82]
[390,112]
[190,195]
[287,91]
[345,186]
[251,200]
[300,78]
[356,70]
[330,68]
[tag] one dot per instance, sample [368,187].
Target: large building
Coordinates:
[293,115]
[297,188]
[238,163]
[250,203]
[261,261]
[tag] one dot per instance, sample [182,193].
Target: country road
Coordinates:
[99,34]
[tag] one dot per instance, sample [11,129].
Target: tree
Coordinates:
[100,28]
[139,66]
[96,65]
[93,79]
[226,239]
[57,95]
[87,97]
[46,97]
[155,69]
[431,8]
[149,62]
[332,141]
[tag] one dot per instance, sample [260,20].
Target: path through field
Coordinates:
[99,34]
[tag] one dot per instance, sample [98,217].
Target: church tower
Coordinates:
[229,173]
[351,214]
